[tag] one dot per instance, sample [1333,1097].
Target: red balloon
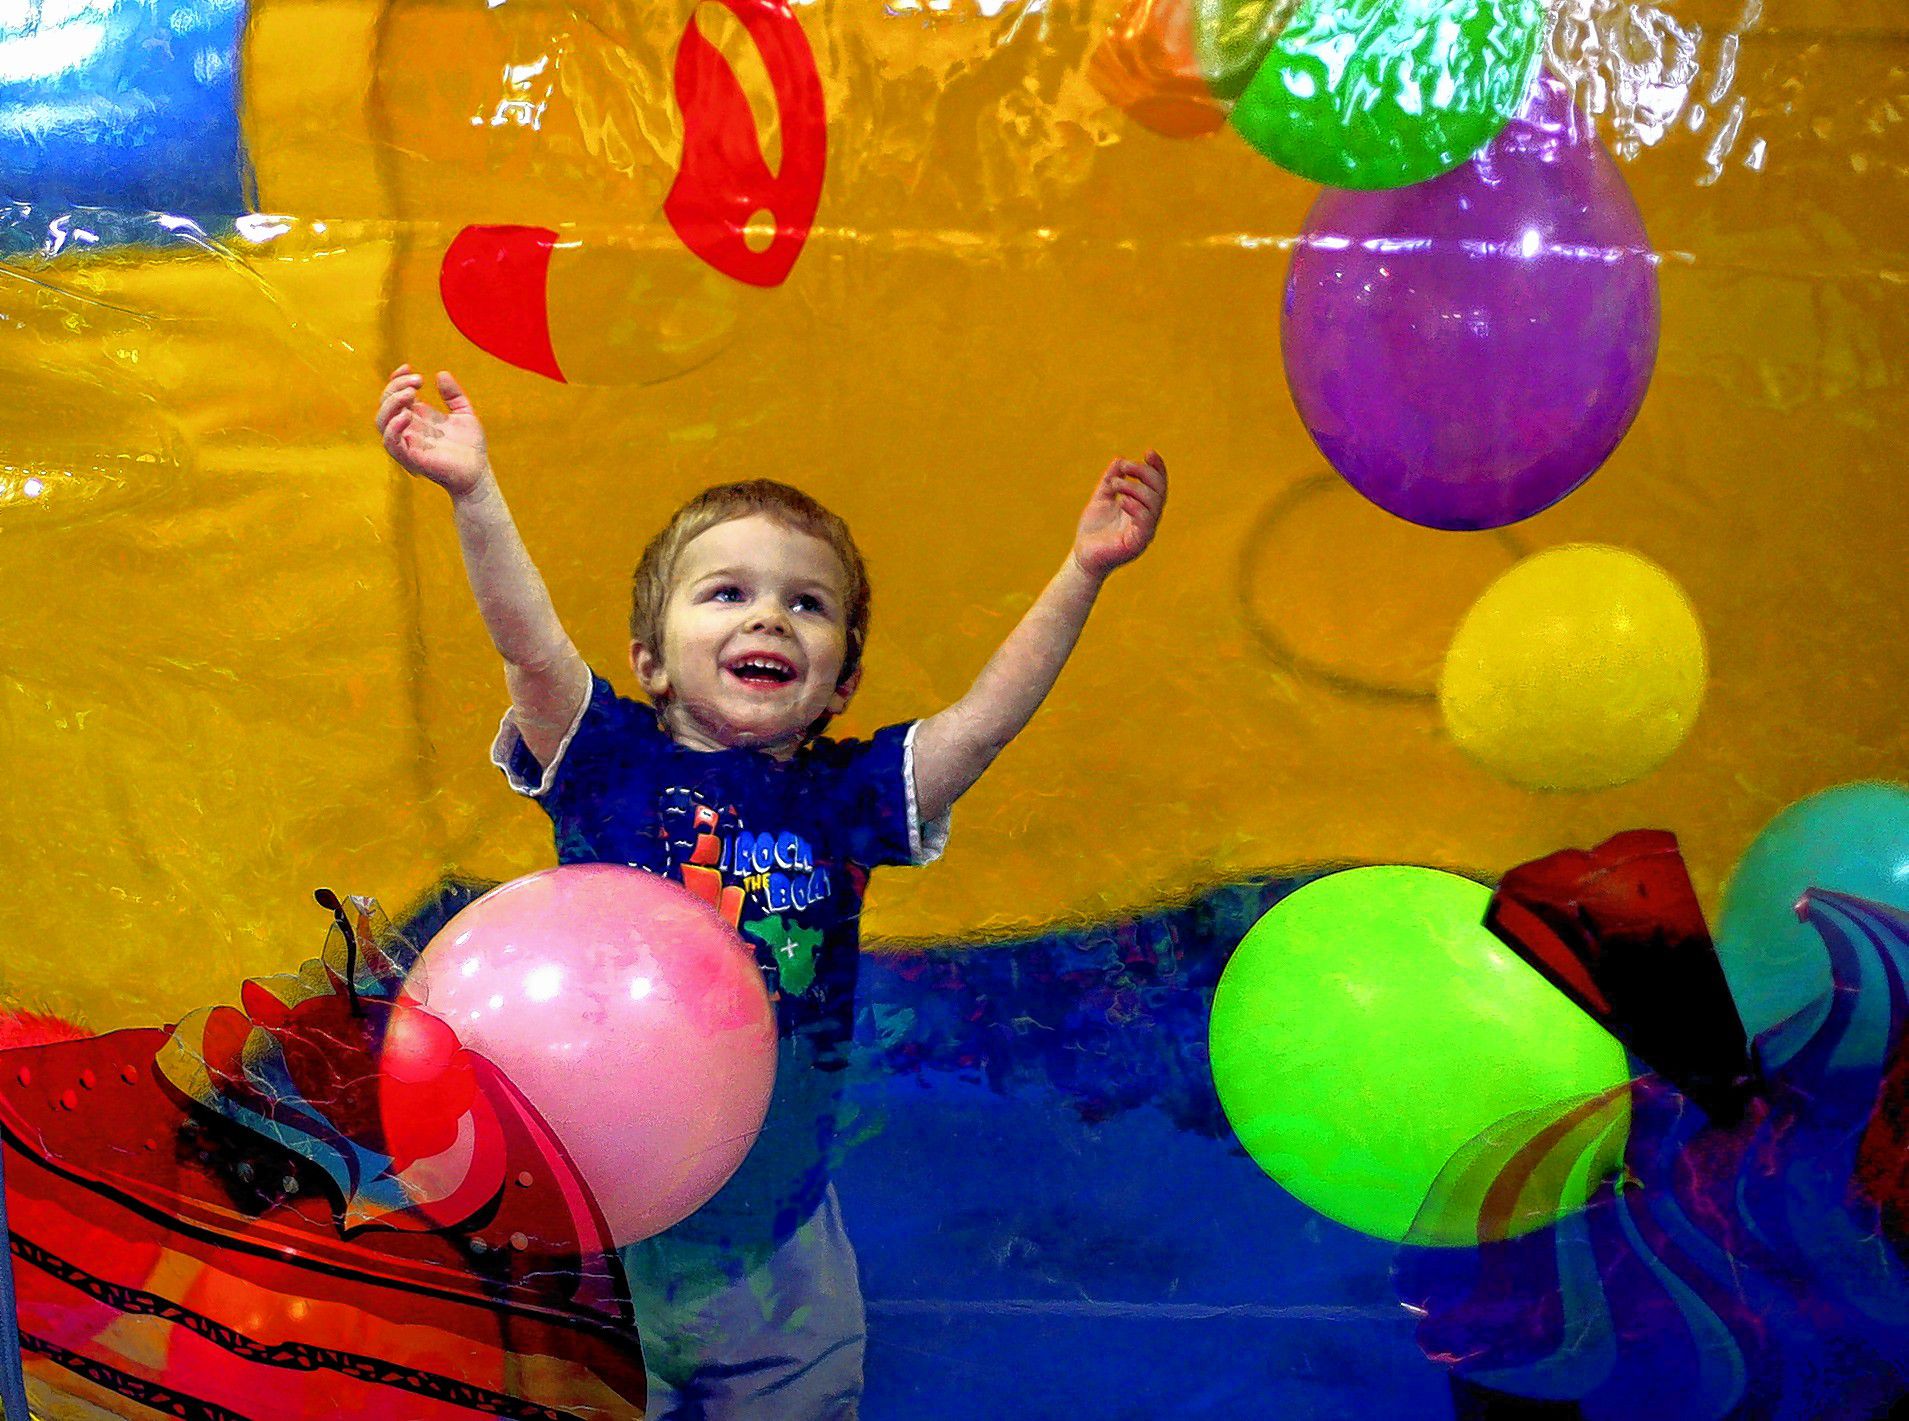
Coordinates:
[426,1084]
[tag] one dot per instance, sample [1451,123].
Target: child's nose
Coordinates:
[768,617]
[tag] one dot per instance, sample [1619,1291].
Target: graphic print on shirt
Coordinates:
[775,874]
[697,852]
[793,947]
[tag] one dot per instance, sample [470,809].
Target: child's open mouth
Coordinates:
[762,672]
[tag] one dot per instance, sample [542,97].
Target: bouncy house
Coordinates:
[511,511]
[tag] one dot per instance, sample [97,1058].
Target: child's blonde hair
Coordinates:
[656,569]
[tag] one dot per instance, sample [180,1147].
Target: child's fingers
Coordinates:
[394,401]
[1151,474]
[420,422]
[427,421]
[454,397]
[1144,493]
[1140,510]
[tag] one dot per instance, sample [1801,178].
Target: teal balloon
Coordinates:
[1385,93]
[1851,839]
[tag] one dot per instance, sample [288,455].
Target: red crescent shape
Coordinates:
[493,282]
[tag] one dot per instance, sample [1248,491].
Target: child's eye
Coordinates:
[808,602]
[727,594]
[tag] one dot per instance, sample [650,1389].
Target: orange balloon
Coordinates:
[1148,65]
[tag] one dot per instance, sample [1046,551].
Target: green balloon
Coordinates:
[1384,93]
[1369,1028]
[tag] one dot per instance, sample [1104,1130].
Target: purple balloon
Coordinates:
[1468,350]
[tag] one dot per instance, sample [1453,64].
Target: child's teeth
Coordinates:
[763,669]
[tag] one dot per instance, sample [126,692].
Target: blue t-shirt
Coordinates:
[783,849]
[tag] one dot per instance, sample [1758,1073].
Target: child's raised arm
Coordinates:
[547,677]
[954,747]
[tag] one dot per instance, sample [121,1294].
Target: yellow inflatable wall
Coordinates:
[241,660]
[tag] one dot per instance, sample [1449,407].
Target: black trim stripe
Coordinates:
[576,1317]
[172,1403]
[296,1356]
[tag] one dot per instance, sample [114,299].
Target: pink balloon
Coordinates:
[630,1015]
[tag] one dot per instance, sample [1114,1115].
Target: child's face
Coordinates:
[754,635]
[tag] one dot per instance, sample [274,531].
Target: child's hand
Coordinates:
[1121,517]
[447,446]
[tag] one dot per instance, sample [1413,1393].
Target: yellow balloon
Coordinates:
[1581,668]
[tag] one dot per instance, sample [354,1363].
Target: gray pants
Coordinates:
[785,1342]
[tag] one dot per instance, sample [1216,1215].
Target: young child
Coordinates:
[748,629]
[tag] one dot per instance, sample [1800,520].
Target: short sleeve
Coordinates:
[868,793]
[606,729]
